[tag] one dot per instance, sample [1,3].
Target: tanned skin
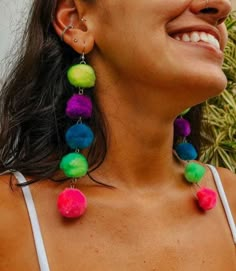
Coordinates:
[149,220]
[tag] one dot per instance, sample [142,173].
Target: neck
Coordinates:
[140,141]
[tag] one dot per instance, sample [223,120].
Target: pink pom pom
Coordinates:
[206,198]
[71,203]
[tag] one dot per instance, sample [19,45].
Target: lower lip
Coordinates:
[212,49]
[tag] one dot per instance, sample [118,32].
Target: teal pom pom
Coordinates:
[186,151]
[194,172]
[74,165]
[81,75]
[79,136]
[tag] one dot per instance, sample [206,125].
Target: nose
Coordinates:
[213,11]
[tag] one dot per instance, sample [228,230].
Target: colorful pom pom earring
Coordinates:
[193,172]
[72,202]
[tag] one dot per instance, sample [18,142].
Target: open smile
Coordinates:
[206,37]
[198,36]
[203,36]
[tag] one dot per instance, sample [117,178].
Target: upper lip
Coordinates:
[199,28]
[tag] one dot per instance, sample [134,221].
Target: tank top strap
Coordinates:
[224,201]
[39,244]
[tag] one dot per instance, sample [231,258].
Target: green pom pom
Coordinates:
[194,172]
[74,165]
[81,75]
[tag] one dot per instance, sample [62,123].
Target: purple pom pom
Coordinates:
[182,127]
[79,106]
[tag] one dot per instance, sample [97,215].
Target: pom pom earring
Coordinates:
[193,172]
[72,202]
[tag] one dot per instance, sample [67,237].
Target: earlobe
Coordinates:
[71,27]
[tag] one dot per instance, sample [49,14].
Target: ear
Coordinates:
[78,37]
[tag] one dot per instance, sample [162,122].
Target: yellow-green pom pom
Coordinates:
[185,111]
[74,165]
[194,172]
[81,75]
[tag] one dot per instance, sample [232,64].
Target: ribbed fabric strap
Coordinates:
[42,257]
[224,201]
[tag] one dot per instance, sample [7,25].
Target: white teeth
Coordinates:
[177,37]
[212,40]
[217,44]
[185,37]
[196,36]
[203,36]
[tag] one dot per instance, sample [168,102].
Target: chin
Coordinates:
[215,85]
[208,84]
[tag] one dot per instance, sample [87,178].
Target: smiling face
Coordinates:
[173,45]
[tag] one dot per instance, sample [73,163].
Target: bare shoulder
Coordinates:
[15,229]
[229,183]
[11,208]
[10,194]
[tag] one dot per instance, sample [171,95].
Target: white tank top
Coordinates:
[39,244]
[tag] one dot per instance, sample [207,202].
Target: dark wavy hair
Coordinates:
[33,100]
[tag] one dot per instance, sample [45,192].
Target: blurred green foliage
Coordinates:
[219,120]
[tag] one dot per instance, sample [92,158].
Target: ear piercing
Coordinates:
[64,31]
[70,27]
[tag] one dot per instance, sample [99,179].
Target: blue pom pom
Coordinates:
[79,136]
[186,151]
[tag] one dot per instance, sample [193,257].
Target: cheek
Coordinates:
[134,40]
[224,34]
[170,9]
[118,17]
[130,29]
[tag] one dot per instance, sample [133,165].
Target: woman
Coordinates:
[152,59]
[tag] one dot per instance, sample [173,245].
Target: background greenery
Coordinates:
[219,121]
